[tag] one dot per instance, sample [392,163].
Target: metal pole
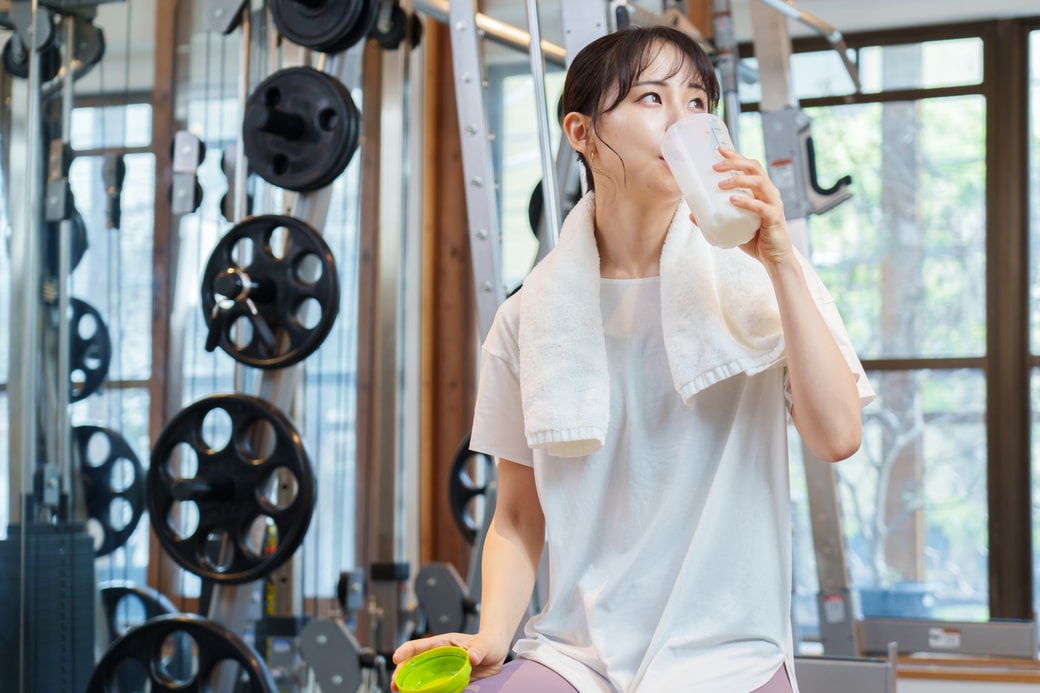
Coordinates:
[24,193]
[549,195]
[63,432]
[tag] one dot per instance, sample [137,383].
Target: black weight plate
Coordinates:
[464,490]
[149,603]
[227,488]
[215,646]
[90,354]
[283,291]
[17,63]
[321,25]
[301,129]
[363,27]
[399,24]
[103,486]
[78,239]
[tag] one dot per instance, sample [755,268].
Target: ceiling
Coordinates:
[847,16]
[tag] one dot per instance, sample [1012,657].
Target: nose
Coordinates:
[677,108]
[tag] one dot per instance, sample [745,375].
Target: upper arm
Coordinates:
[516,505]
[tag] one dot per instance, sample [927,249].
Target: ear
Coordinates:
[578,129]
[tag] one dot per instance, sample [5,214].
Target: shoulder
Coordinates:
[503,338]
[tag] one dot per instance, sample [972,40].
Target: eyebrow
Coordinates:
[661,83]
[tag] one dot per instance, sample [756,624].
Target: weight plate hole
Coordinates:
[241,333]
[178,664]
[218,552]
[183,462]
[279,488]
[183,519]
[129,612]
[87,326]
[273,97]
[96,532]
[278,242]
[98,449]
[308,269]
[308,313]
[261,538]
[122,475]
[92,359]
[216,429]
[120,514]
[257,442]
[279,164]
[242,252]
[328,119]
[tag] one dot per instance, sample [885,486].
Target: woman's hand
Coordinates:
[486,655]
[772,243]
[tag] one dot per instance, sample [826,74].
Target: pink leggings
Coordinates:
[525,675]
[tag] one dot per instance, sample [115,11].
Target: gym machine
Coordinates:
[56,359]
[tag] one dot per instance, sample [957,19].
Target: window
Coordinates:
[905,260]
[517,145]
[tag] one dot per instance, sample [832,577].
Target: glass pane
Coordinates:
[521,167]
[949,63]
[933,64]
[115,273]
[913,502]
[112,126]
[905,256]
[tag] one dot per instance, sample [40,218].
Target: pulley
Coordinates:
[113,481]
[328,26]
[301,129]
[468,488]
[230,489]
[270,292]
[144,650]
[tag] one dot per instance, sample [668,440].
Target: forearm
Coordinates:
[512,550]
[825,407]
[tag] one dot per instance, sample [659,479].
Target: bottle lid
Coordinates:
[440,670]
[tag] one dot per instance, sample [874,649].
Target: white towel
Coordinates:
[719,315]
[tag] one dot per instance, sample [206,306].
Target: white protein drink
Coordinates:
[691,148]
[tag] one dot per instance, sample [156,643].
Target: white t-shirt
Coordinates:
[670,548]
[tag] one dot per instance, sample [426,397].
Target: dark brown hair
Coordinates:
[612,63]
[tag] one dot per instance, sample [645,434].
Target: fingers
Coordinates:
[414,647]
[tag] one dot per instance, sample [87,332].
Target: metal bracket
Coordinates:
[223,16]
[332,653]
[828,674]
[1010,638]
[791,160]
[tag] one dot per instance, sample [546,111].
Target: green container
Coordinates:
[440,670]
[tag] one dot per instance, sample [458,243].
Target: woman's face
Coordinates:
[626,144]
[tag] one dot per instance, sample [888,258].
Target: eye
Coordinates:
[697,104]
[651,97]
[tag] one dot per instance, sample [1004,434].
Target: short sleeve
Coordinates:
[498,420]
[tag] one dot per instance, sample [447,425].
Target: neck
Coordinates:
[630,235]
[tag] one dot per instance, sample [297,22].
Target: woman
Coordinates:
[636,394]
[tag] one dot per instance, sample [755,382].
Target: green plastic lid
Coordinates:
[440,670]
